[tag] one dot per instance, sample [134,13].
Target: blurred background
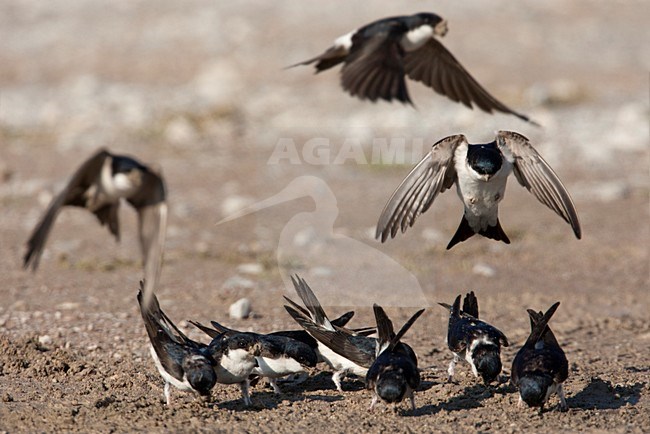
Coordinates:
[200,89]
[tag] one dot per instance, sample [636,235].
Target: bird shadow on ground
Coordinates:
[602,395]
[323,381]
[470,397]
[265,400]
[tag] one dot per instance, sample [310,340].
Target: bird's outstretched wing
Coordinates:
[434,174]
[534,173]
[434,66]
[72,194]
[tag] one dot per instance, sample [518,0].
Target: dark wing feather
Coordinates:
[345,344]
[374,69]
[343,319]
[298,335]
[432,175]
[169,343]
[434,66]
[407,325]
[311,302]
[72,195]
[384,328]
[470,304]
[540,324]
[205,329]
[534,173]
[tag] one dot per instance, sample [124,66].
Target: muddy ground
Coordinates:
[199,89]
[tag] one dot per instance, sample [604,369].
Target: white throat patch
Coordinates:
[417,37]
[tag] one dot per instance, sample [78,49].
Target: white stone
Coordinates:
[240,309]
[483,269]
[251,268]
[45,340]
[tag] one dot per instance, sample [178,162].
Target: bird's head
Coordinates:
[487,360]
[534,389]
[485,160]
[302,353]
[436,21]
[200,374]
[391,386]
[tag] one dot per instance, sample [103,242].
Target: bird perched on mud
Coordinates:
[182,362]
[480,172]
[279,355]
[345,351]
[236,358]
[474,340]
[98,186]
[540,366]
[377,56]
[394,373]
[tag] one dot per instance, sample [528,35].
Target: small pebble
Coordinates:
[484,270]
[240,309]
[252,268]
[45,340]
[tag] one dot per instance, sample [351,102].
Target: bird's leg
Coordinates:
[274,385]
[168,394]
[560,393]
[520,403]
[244,392]
[374,400]
[452,368]
[412,398]
[336,378]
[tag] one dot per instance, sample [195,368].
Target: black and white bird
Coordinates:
[303,336]
[279,355]
[394,373]
[345,351]
[98,186]
[377,56]
[540,366]
[474,340]
[480,173]
[236,358]
[182,362]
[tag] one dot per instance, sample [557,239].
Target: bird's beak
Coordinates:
[257,349]
[441,28]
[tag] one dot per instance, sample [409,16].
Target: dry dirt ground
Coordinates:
[198,88]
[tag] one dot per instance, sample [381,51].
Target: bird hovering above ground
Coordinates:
[279,355]
[182,362]
[343,350]
[394,373]
[540,366]
[98,186]
[377,56]
[480,172]
[474,340]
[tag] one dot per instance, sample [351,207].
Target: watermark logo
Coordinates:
[342,270]
[321,151]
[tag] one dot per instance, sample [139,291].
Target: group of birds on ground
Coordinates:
[376,58]
[388,365]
